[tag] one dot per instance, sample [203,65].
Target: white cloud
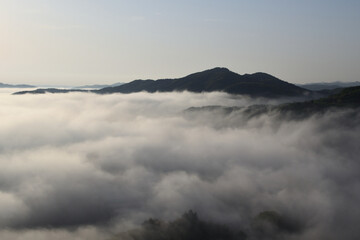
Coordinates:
[98,163]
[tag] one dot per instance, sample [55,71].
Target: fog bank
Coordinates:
[86,166]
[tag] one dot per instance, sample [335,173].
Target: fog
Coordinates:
[86,166]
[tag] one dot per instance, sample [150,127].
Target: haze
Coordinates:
[219,154]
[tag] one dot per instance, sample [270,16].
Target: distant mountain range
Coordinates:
[99,86]
[95,86]
[328,85]
[51,90]
[4,85]
[217,79]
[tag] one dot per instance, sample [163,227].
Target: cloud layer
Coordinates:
[84,166]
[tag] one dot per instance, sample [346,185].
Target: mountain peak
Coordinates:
[219,69]
[216,79]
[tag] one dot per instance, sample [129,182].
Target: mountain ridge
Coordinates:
[5,85]
[218,79]
[319,86]
[347,98]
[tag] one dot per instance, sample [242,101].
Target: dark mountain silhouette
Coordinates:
[99,86]
[348,98]
[50,90]
[328,85]
[217,79]
[4,85]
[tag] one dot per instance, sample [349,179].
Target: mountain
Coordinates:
[50,90]
[348,98]
[217,79]
[328,85]
[99,86]
[4,85]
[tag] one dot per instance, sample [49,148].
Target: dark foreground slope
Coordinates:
[217,79]
[348,98]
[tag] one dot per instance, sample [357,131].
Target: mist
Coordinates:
[87,166]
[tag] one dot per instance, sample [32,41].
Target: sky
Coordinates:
[75,42]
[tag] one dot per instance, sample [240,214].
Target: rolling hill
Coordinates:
[348,98]
[216,79]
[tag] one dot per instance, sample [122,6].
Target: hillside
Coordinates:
[217,79]
[328,85]
[348,98]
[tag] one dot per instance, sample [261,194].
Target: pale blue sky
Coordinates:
[74,42]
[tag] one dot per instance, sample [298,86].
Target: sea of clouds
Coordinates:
[84,166]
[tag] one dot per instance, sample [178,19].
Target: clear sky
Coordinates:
[73,42]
